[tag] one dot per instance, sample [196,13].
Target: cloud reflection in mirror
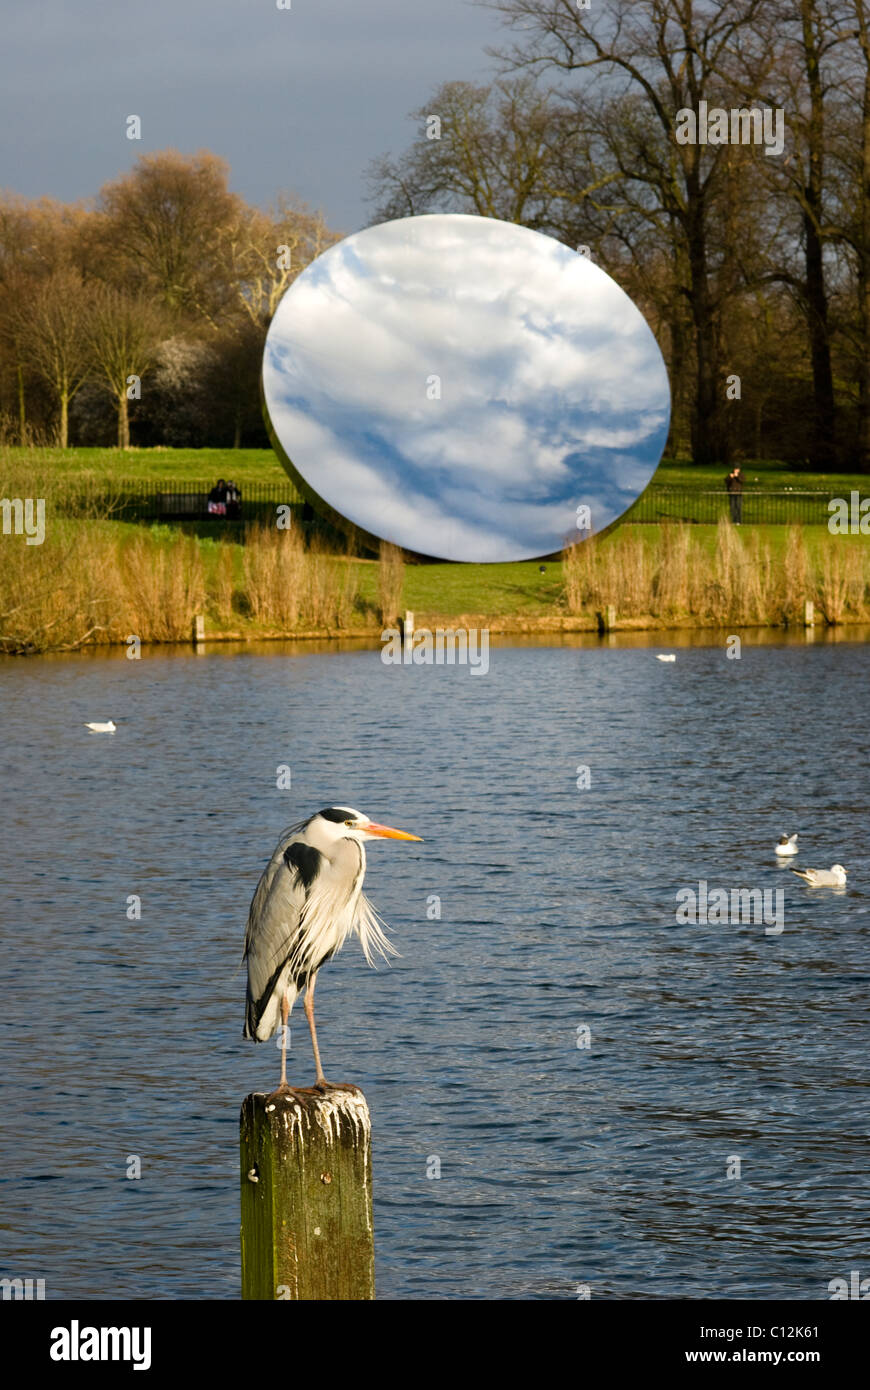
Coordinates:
[460,386]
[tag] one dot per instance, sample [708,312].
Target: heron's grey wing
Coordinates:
[274,919]
[267,878]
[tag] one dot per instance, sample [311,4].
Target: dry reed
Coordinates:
[391,582]
[741,580]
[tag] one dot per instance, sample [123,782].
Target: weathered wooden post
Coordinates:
[606,619]
[198,630]
[306,1187]
[408,627]
[809,613]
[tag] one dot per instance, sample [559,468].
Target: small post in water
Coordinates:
[607,619]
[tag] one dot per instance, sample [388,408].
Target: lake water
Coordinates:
[561,1166]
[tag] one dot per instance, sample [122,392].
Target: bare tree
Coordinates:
[124,332]
[265,251]
[854,200]
[52,329]
[809,41]
[490,150]
[656,58]
[33,240]
[160,228]
[171,235]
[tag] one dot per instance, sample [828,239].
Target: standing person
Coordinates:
[734,484]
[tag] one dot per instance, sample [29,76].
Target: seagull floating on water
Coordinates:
[107,728]
[787,845]
[666,656]
[308,902]
[835,877]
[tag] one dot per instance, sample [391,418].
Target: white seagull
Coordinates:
[97,728]
[835,877]
[665,656]
[787,845]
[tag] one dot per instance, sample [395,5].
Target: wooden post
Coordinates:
[198,633]
[607,619]
[809,613]
[408,627]
[306,1187]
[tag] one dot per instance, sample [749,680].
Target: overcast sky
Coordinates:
[296,101]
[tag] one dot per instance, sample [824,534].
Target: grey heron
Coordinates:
[308,901]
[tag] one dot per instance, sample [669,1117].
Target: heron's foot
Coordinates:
[282,1090]
[321,1084]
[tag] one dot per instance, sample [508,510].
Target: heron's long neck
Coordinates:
[350,855]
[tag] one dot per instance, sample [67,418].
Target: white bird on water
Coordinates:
[308,901]
[665,656]
[835,877]
[787,845]
[107,728]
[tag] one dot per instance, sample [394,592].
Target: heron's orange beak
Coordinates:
[388,833]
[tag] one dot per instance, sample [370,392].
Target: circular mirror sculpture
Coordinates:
[465,388]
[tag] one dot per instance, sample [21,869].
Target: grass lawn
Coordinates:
[763,473]
[157,465]
[453,589]
[262,466]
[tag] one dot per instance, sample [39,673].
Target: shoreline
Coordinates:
[546,626]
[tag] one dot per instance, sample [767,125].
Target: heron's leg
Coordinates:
[285,1014]
[320,1079]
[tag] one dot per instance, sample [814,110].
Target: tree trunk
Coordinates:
[22,411]
[123,420]
[64,419]
[823,441]
[863,461]
[705,412]
[679,442]
[237,433]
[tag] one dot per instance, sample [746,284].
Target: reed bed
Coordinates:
[287,584]
[82,587]
[675,577]
[85,585]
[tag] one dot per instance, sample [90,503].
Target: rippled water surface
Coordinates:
[560,1166]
